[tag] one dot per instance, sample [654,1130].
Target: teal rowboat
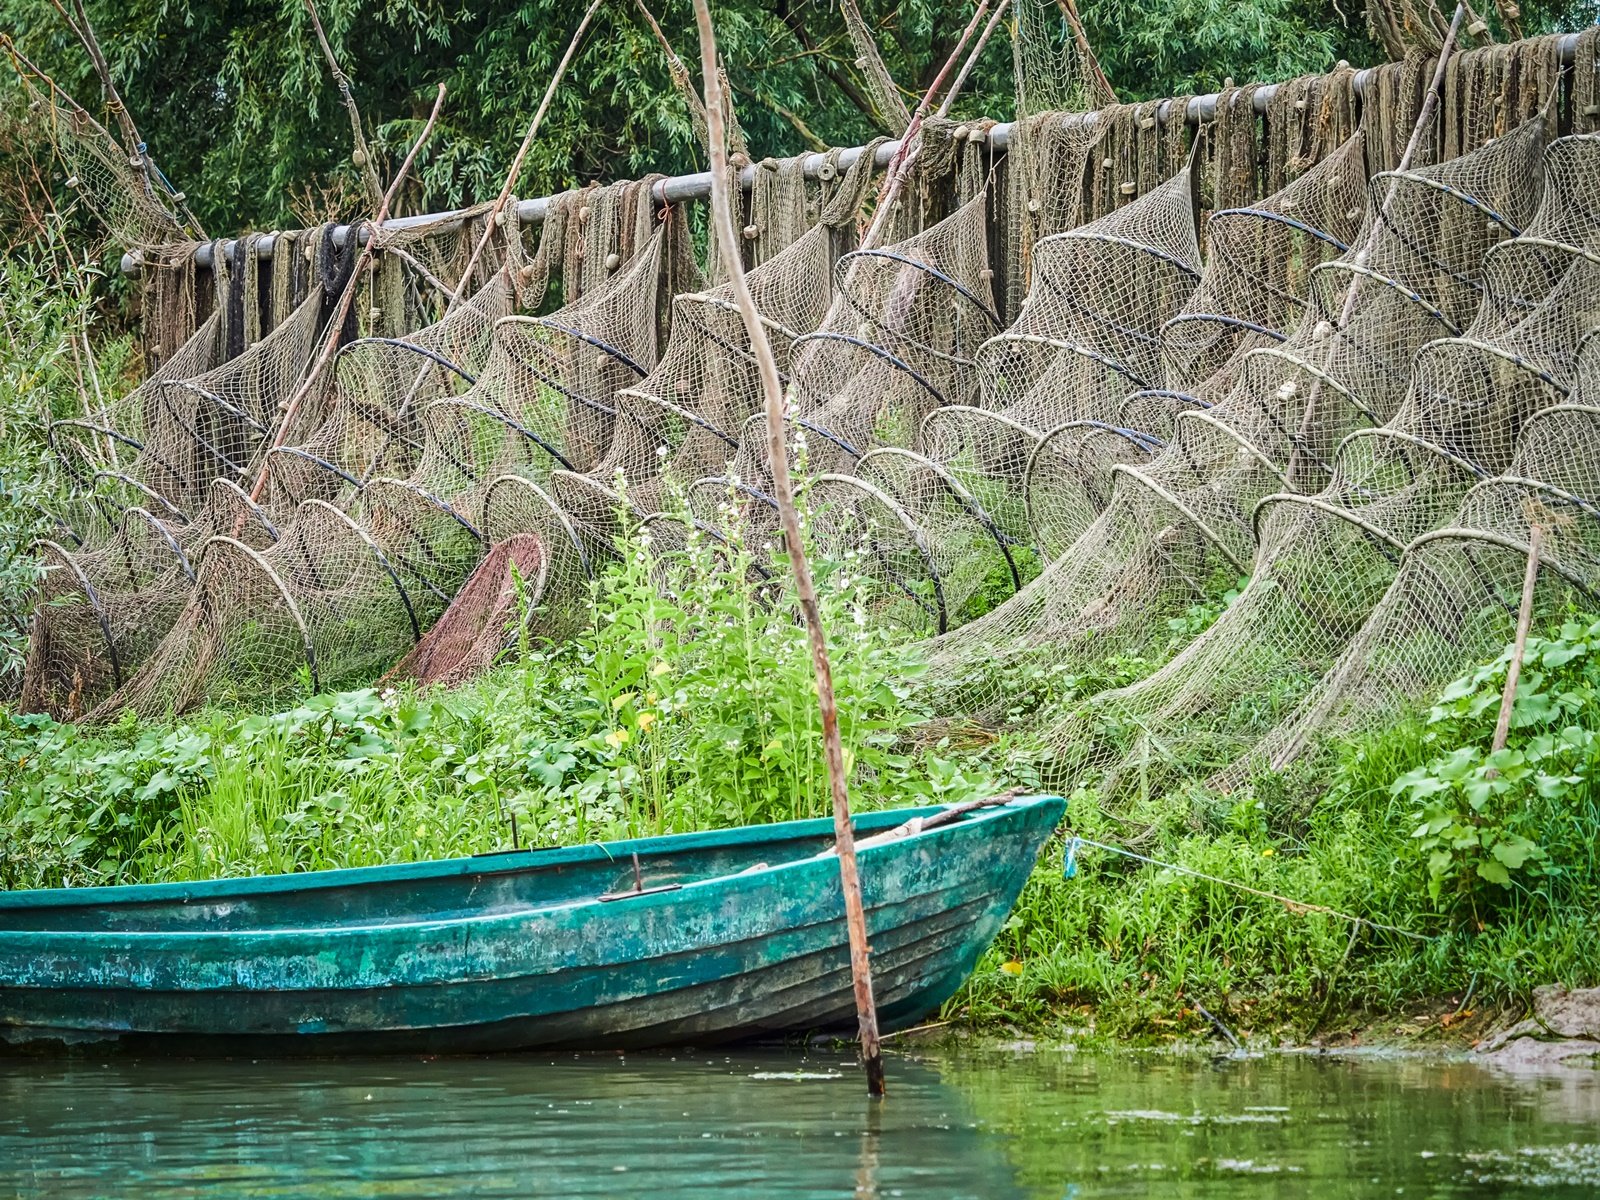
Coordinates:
[695,938]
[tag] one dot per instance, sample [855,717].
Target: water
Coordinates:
[988,1124]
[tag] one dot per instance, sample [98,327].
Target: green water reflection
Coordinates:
[971,1123]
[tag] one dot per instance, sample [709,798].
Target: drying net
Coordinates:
[681,423]
[1178,529]
[108,440]
[898,342]
[110,179]
[1467,518]
[1326,560]
[347,588]
[1088,334]
[365,420]
[99,612]
[1058,83]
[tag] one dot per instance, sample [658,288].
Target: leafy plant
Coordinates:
[1481,814]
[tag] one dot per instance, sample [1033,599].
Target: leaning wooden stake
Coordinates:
[900,165]
[1519,646]
[783,490]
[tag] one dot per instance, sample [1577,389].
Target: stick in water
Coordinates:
[783,490]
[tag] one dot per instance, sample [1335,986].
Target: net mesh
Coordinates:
[897,343]
[1088,334]
[1178,526]
[348,587]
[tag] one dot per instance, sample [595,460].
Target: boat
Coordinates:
[686,939]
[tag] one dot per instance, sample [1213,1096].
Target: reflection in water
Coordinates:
[979,1124]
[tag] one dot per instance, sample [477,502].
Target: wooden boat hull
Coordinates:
[745,939]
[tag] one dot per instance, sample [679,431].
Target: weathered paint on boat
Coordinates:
[744,937]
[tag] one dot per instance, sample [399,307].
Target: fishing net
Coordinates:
[100,612]
[1325,561]
[545,401]
[217,424]
[681,423]
[1088,334]
[1177,529]
[107,440]
[1252,294]
[483,620]
[112,180]
[1463,510]
[366,420]
[346,589]
[1058,82]
[1455,599]
[897,343]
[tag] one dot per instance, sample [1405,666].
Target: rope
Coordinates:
[1070,869]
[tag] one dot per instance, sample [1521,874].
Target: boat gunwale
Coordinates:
[586,854]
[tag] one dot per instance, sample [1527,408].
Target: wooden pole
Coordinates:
[330,341]
[972,59]
[360,151]
[900,165]
[1519,645]
[805,588]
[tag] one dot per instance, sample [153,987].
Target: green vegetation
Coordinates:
[688,703]
[46,368]
[1405,827]
[234,100]
[665,715]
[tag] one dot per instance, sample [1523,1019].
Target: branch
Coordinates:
[362,154]
[900,164]
[972,59]
[795,120]
[330,342]
[805,587]
[134,146]
[828,65]
[1069,10]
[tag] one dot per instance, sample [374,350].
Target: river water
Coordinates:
[980,1123]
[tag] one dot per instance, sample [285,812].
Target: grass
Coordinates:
[690,705]
[1137,950]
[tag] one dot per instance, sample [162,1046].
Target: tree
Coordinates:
[235,101]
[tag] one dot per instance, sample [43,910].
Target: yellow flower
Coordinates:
[618,701]
[660,669]
[646,719]
[1011,968]
[651,697]
[1267,853]
[617,738]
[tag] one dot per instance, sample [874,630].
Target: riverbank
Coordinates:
[1405,881]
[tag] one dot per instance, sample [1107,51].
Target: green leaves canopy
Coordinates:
[235,101]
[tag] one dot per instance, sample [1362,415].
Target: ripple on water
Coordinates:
[976,1123]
